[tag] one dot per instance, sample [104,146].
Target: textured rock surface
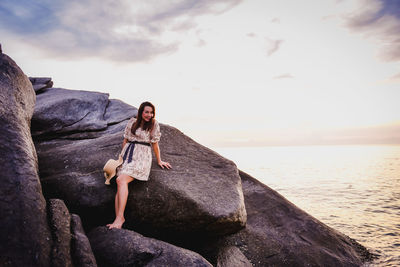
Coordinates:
[82,254]
[280,234]
[120,247]
[232,256]
[197,203]
[73,114]
[59,111]
[118,111]
[199,199]
[24,233]
[200,195]
[60,224]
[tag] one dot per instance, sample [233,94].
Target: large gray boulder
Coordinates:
[76,114]
[280,234]
[121,247]
[200,195]
[24,233]
[61,111]
[199,204]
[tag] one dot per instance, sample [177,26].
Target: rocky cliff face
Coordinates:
[204,211]
[23,207]
[32,232]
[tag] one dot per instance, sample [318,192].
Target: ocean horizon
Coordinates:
[354,189]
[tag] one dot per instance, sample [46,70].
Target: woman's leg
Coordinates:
[120,200]
[116,204]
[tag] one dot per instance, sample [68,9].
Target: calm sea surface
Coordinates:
[354,189]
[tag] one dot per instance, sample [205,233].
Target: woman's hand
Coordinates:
[163,164]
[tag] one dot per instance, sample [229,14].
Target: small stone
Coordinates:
[39,80]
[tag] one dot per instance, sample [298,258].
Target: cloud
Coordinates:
[283,76]
[201,43]
[123,30]
[275,20]
[379,19]
[273,46]
[393,79]
[396,77]
[200,40]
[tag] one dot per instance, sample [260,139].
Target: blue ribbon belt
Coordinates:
[129,151]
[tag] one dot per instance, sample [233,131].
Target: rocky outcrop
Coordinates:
[204,205]
[69,114]
[200,195]
[24,232]
[60,112]
[31,232]
[121,247]
[199,199]
[280,234]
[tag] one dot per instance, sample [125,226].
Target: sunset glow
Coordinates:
[226,73]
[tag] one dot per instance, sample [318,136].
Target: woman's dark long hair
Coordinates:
[147,125]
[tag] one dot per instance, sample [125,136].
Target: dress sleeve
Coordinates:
[127,131]
[155,133]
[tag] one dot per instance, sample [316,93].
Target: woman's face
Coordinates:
[147,114]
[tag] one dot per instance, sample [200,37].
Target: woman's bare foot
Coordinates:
[118,222]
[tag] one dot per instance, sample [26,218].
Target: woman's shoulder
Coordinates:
[131,122]
[156,125]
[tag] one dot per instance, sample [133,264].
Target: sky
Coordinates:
[225,72]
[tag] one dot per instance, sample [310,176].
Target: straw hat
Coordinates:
[110,169]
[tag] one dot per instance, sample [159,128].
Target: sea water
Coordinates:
[353,189]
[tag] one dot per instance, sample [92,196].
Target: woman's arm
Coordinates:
[124,143]
[162,164]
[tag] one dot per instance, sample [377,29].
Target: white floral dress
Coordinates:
[138,158]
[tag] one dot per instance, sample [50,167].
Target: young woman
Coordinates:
[140,135]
